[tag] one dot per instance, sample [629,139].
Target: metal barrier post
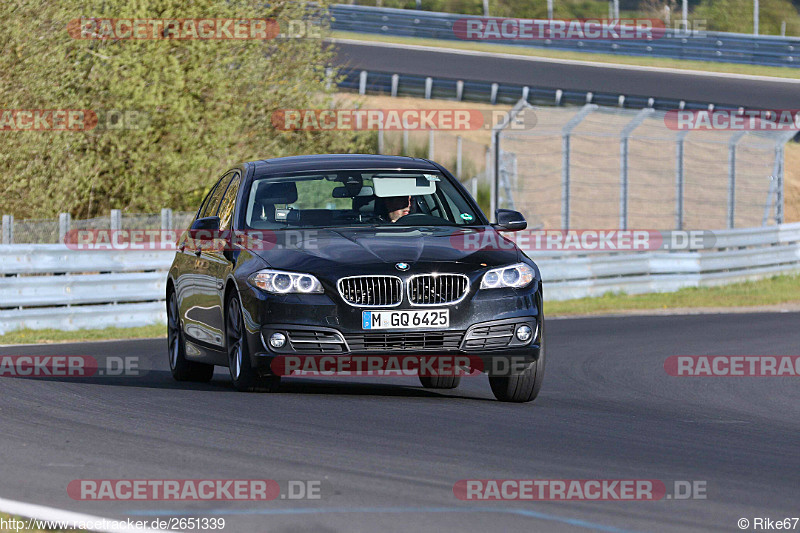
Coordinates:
[431,150]
[64,221]
[166,219]
[362,82]
[116,220]
[8,229]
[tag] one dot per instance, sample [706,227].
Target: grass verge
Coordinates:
[45,336]
[767,292]
[705,66]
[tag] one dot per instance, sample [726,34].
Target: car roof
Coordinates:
[341,162]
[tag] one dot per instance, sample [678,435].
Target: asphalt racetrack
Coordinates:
[387,452]
[720,89]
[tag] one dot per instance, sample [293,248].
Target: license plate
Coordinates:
[433,318]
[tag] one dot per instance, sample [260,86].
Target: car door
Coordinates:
[201,321]
[218,260]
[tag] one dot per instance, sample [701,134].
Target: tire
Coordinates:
[181,368]
[440,382]
[243,375]
[521,386]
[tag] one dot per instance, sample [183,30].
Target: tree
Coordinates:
[201,105]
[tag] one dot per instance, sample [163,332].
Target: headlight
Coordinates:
[516,276]
[279,282]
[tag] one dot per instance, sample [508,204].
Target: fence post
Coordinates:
[566,132]
[380,140]
[458,157]
[679,179]
[779,156]
[64,222]
[362,82]
[732,178]
[459,90]
[166,219]
[405,142]
[474,188]
[428,87]
[494,93]
[8,229]
[116,220]
[431,151]
[623,164]
[395,83]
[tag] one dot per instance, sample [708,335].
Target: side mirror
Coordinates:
[510,220]
[205,229]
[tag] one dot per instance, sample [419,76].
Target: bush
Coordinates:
[208,105]
[737,16]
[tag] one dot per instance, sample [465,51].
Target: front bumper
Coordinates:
[482,327]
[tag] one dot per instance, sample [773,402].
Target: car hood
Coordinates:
[322,250]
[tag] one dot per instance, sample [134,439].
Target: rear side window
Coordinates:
[212,204]
[228,204]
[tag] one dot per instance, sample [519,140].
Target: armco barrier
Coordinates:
[50,286]
[703,46]
[370,82]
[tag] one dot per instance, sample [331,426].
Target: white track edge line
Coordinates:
[41,512]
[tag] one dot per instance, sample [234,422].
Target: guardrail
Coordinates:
[50,286]
[675,44]
[501,93]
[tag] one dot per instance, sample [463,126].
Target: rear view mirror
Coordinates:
[343,192]
[510,220]
[204,229]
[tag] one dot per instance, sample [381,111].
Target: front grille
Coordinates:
[309,342]
[373,291]
[496,336]
[437,289]
[398,342]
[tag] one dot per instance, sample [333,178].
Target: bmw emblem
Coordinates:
[402,266]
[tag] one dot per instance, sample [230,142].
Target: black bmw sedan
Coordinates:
[350,256]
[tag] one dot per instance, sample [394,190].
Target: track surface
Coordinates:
[390,451]
[755,94]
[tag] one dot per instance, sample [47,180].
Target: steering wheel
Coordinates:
[420,219]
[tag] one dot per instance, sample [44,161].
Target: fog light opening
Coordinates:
[278,340]
[524,333]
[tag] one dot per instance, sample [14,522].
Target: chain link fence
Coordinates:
[604,167]
[53,230]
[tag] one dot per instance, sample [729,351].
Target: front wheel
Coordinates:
[181,368]
[243,375]
[522,386]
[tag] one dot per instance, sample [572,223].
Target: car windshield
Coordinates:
[357,197]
